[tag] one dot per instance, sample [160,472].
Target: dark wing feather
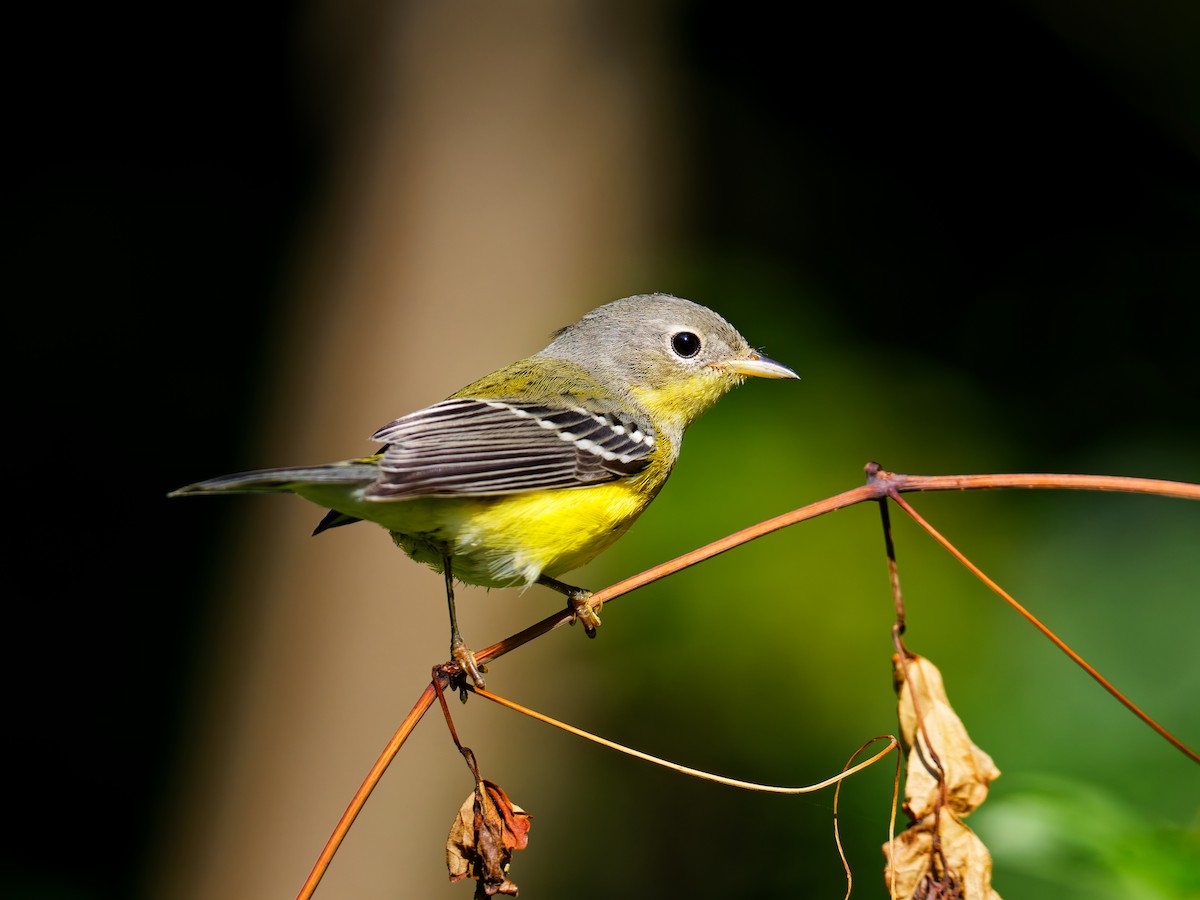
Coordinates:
[472,447]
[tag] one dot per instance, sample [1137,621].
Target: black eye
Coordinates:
[685,344]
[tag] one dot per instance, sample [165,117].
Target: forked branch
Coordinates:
[881,486]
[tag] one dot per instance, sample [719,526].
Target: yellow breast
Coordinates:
[512,540]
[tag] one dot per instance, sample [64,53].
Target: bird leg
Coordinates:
[459,651]
[577,602]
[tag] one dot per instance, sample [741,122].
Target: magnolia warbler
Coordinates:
[535,469]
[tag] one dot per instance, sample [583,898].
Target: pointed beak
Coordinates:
[756,365]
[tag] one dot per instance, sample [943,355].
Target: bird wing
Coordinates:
[475,447]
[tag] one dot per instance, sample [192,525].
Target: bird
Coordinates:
[535,469]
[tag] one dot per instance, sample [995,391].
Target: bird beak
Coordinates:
[755,364]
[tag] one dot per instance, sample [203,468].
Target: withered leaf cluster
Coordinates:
[486,831]
[946,778]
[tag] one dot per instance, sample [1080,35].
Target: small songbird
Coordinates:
[535,469]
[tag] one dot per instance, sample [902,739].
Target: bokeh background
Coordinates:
[249,237]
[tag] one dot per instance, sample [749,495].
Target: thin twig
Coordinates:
[1036,623]
[925,751]
[1038,481]
[662,570]
[837,792]
[892,822]
[686,770]
[880,484]
[364,791]
[893,570]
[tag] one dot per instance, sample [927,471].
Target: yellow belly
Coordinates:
[502,541]
[512,540]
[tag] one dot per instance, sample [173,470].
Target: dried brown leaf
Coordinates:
[968,769]
[963,869]
[486,831]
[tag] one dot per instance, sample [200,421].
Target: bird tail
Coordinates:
[284,481]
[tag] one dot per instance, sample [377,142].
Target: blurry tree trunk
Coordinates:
[498,171]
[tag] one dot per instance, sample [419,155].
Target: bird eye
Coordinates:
[685,344]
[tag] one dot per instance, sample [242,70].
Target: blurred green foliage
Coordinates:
[1056,834]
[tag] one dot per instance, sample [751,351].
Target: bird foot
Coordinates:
[585,613]
[465,659]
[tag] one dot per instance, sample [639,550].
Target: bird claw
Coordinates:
[465,659]
[584,612]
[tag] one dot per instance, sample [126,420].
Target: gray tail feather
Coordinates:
[282,481]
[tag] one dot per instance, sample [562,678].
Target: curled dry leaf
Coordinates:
[968,769]
[488,828]
[963,869]
[938,856]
